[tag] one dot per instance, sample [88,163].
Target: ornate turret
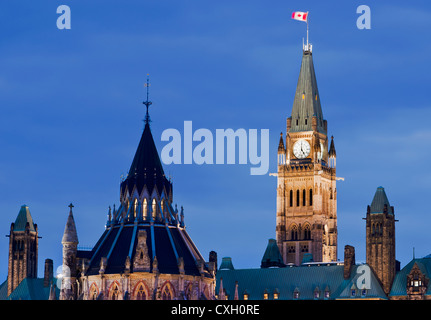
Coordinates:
[332,154]
[70,248]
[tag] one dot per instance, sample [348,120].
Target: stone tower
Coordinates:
[23,248]
[70,247]
[306,178]
[380,237]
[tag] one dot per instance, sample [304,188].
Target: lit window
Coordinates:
[326,294]
[265,296]
[276,295]
[245,296]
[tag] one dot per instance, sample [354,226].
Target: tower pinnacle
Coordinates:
[147,103]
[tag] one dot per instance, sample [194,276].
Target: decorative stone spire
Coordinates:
[70,235]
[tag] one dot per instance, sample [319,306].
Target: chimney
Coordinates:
[349,260]
[48,274]
[213,259]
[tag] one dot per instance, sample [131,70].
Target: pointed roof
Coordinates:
[70,235]
[281,143]
[272,256]
[226,263]
[23,217]
[146,168]
[307,100]
[379,201]
[332,148]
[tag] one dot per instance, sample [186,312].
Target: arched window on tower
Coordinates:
[311,197]
[291,198]
[307,232]
[304,203]
[294,233]
[297,198]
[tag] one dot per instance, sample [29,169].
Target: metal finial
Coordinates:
[147,103]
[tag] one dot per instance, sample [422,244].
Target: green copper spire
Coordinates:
[306,104]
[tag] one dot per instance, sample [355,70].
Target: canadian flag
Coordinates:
[301,16]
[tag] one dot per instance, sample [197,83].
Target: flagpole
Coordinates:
[307,31]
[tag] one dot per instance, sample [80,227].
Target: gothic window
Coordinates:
[297,198]
[307,232]
[135,208]
[93,292]
[291,197]
[265,295]
[296,294]
[115,292]
[306,121]
[291,249]
[154,208]
[303,198]
[311,197]
[304,248]
[294,233]
[145,209]
[141,294]
[167,292]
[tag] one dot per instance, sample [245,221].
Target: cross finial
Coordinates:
[71,206]
[147,103]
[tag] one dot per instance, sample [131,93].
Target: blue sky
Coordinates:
[71,112]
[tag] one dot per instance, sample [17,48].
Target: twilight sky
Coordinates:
[71,112]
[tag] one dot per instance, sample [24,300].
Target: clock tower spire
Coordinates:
[306,182]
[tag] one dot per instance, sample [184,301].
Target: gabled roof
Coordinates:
[29,289]
[379,201]
[399,285]
[146,168]
[23,217]
[304,279]
[307,100]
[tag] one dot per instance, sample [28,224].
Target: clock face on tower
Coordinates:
[301,149]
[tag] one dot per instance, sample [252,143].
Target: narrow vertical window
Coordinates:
[291,198]
[297,198]
[311,197]
[303,198]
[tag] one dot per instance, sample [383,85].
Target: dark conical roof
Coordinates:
[272,256]
[307,100]
[379,201]
[146,168]
[332,148]
[23,217]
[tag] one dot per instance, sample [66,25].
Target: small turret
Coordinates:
[281,151]
[332,154]
[70,248]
